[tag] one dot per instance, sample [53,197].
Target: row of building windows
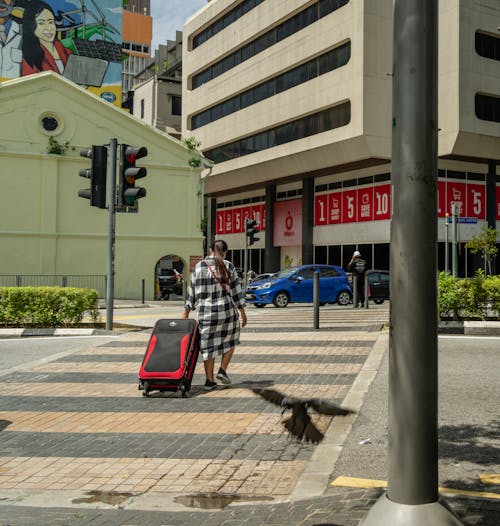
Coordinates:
[140,48]
[322,121]
[294,24]
[246,201]
[334,59]
[231,16]
[488,45]
[488,107]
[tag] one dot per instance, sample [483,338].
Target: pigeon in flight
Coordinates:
[300,424]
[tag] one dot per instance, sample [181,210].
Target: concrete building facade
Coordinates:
[292,101]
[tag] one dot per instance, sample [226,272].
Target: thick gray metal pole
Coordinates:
[110,282]
[446,255]
[245,260]
[316,292]
[412,497]
[454,241]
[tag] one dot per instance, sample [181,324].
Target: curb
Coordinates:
[314,480]
[470,328]
[26,333]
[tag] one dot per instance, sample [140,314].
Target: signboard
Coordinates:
[80,40]
[288,223]
[232,220]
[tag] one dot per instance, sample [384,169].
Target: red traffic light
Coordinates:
[132,153]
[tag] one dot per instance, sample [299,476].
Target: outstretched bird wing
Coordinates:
[327,408]
[271,395]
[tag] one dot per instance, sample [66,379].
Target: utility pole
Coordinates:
[412,498]
[110,282]
[454,241]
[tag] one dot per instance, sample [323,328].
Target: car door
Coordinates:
[301,285]
[329,285]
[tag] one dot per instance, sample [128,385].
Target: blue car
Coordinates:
[295,285]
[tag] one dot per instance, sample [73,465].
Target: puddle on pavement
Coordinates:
[211,501]
[106,497]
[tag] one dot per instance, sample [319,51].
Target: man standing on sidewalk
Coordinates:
[358,267]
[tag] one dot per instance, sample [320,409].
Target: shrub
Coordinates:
[474,298]
[46,306]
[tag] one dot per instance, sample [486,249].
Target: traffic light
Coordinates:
[129,193]
[97,175]
[251,228]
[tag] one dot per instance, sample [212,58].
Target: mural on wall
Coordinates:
[80,39]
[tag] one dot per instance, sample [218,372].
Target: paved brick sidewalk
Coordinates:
[80,445]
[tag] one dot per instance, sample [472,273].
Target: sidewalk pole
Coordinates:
[354,290]
[110,282]
[366,290]
[316,299]
[412,498]
[446,255]
[454,241]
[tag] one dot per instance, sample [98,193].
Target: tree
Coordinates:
[484,243]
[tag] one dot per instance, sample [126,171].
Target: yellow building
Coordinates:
[47,229]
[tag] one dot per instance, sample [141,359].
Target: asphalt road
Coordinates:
[468,417]
[15,352]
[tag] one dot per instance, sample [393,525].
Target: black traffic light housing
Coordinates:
[97,175]
[251,228]
[128,193]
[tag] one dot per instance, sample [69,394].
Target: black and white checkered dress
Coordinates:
[217,316]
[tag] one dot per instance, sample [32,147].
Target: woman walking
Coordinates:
[216,292]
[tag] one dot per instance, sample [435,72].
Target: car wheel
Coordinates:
[281,299]
[378,302]
[259,305]
[343,298]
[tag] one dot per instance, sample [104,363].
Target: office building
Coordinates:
[292,101]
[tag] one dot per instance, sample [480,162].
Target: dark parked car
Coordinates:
[170,282]
[295,285]
[378,283]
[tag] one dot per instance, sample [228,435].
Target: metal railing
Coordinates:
[97,282]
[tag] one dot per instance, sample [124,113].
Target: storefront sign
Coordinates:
[232,220]
[288,223]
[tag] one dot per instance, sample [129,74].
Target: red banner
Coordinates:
[476,200]
[382,202]
[441,211]
[334,208]
[365,203]
[349,206]
[321,209]
[232,220]
[455,193]
[498,202]
[219,228]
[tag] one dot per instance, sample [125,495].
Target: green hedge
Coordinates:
[469,298]
[46,306]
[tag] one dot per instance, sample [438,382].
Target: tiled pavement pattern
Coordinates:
[79,424]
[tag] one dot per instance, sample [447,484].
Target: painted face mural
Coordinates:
[6,7]
[79,39]
[45,27]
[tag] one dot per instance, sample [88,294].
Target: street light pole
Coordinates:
[412,498]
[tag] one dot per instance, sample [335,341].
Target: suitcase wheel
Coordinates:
[145,393]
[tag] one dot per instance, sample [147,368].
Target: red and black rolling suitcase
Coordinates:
[170,358]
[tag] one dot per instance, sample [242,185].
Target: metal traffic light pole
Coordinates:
[110,284]
[245,261]
[412,498]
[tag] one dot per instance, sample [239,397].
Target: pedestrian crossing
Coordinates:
[79,422]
